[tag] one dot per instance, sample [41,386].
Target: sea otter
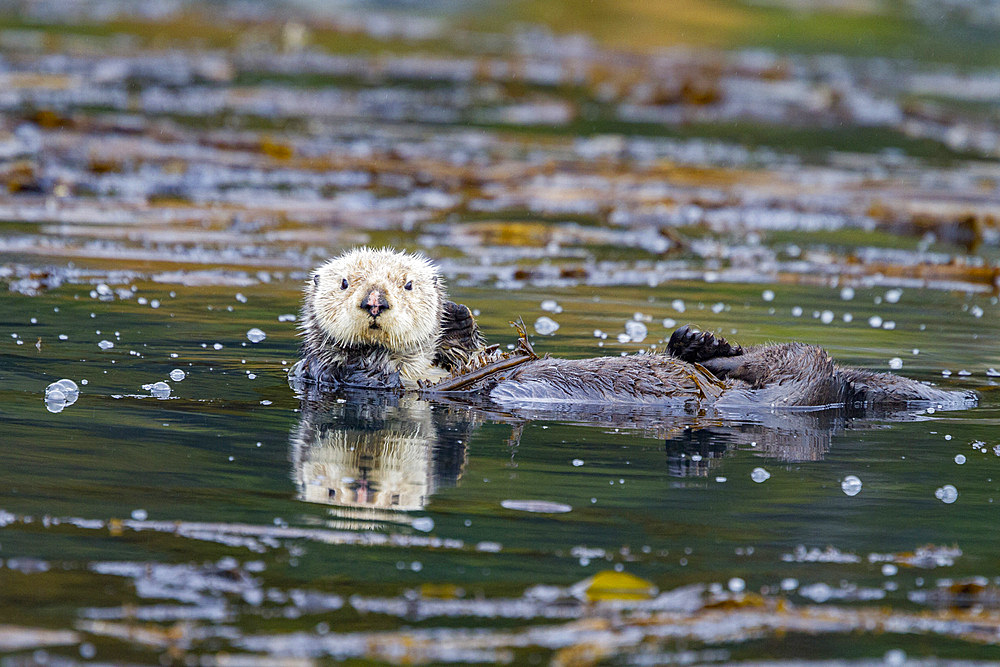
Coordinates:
[380,319]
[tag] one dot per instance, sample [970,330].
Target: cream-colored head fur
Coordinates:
[409,283]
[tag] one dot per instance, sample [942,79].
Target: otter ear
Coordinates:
[316,279]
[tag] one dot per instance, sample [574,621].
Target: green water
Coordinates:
[225,479]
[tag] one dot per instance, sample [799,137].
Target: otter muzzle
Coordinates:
[374,303]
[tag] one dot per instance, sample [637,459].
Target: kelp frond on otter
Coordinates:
[381,319]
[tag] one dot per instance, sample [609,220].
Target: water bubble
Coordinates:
[669,323]
[155,303]
[546,326]
[789,584]
[678,305]
[68,386]
[888,325]
[577,462]
[737,585]
[217,346]
[760,475]
[976,311]
[892,296]
[851,485]
[718,307]
[551,306]
[895,363]
[177,375]
[424,524]
[158,389]
[255,335]
[140,514]
[288,317]
[767,295]
[894,657]
[889,569]
[875,321]
[797,311]
[826,316]
[960,459]
[848,318]
[946,494]
[847,293]
[240,297]
[623,338]
[636,331]
[105,345]
[104,290]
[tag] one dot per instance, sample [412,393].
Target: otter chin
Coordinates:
[380,319]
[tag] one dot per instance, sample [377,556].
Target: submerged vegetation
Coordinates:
[820,170]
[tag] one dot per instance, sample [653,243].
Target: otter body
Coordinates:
[380,319]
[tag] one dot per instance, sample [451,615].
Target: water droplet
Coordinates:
[847,293]
[826,316]
[851,485]
[577,462]
[240,297]
[737,585]
[105,345]
[892,296]
[288,317]
[889,569]
[140,515]
[895,363]
[960,459]
[797,311]
[875,321]
[217,346]
[551,306]
[678,305]
[255,335]
[177,375]
[669,323]
[546,326]
[760,475]
[767,295]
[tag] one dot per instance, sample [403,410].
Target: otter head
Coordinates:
[377,297]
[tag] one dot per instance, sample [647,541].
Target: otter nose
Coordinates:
[374,303]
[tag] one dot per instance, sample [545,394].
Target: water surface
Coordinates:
[234,517]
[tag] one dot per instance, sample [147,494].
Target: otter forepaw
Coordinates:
[692,345]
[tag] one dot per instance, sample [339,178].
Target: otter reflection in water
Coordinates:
[374,455]
[378,451]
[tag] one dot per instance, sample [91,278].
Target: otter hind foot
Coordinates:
[696,346]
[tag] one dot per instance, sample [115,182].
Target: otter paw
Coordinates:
[697,346]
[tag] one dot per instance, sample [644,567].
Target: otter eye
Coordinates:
[343,284]
[316,279]
[408,285]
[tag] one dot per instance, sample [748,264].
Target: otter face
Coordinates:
[377,297]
